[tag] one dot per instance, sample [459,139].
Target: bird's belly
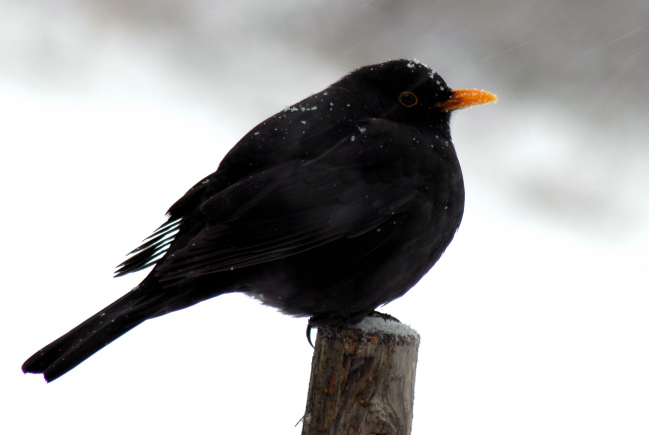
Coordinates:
[354,275]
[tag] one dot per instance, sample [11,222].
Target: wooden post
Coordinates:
[362,380]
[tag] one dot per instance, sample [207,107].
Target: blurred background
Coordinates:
[534,321]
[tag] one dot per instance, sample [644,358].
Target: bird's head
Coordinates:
[409,92]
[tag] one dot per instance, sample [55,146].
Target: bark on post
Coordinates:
[362,380]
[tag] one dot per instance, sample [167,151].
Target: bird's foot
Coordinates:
[383,316]
[343,320]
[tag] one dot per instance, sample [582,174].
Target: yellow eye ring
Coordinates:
[408,99]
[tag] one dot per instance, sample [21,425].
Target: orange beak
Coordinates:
[464,98]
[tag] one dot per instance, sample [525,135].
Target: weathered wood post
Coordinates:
[362,380]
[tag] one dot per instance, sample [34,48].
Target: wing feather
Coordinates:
[276,214]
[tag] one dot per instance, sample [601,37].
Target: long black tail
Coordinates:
[68,351]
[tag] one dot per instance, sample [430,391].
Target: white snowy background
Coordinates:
[534,321]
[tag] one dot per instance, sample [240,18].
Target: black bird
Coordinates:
[330,208]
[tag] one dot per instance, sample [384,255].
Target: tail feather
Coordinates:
[68,351]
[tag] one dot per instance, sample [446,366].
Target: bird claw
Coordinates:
[312,323]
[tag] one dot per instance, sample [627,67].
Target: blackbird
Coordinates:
[328,209]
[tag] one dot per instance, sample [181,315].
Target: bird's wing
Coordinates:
[289,209]
[284,209]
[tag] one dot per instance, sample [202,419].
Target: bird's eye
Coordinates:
[408,99]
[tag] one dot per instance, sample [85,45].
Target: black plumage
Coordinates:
[328,209]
